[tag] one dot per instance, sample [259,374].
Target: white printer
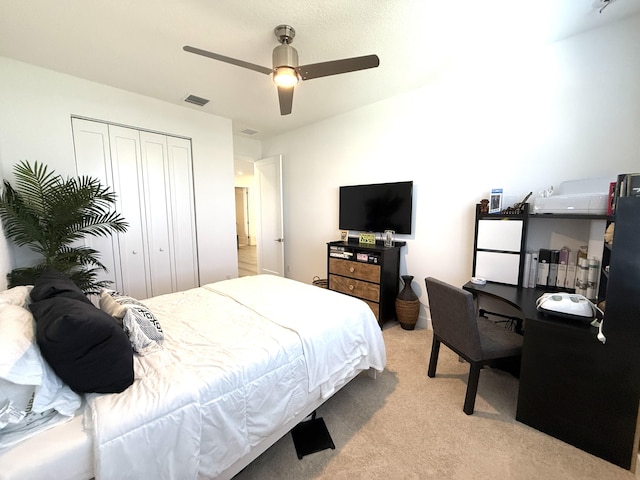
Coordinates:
[587,196]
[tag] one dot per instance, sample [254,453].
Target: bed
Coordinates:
[242,362]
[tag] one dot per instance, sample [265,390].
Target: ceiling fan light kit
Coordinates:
[285,77]
[286,72]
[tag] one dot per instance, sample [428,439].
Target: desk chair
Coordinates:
[476,339]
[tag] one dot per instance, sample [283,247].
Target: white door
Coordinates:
[127,178]
[183,215]
[270,229]
[154,166]
[93,159]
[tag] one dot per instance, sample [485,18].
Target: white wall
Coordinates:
[35,124]
[520,120]
[245,148]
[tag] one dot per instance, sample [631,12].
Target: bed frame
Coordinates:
[283,430]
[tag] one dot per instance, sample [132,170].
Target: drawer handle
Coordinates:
[351,269]
[351,287]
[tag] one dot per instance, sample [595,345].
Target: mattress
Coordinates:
[241,359]
[66,449]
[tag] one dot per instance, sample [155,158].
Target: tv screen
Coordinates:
[377,207]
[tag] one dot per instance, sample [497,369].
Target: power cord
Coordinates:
[599,323]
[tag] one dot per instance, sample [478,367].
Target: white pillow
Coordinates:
[14,402]
[54,393]
[17,296]
[20,360]
[18,420]
[24,374]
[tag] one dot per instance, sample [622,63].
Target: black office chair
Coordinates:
[476,339]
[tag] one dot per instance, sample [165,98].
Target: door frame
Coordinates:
[270,218]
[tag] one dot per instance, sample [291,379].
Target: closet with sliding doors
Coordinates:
[152,176]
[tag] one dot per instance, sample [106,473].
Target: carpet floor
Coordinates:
[404,425]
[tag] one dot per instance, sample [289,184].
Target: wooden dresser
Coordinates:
[369,272]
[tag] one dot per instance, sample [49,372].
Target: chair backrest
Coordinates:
[453,316]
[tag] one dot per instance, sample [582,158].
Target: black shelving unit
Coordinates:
[578,389]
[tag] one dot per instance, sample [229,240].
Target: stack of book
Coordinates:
[340,252]
[562,269]
[627,185]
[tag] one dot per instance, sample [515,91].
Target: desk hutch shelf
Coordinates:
[501,239]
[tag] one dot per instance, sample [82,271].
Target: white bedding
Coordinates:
[228,376]
[320,318]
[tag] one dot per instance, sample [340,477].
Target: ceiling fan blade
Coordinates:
[334,67]
[285,96]
[232,61]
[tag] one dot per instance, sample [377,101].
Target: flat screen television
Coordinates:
[376,207]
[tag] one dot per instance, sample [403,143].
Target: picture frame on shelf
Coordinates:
[495,200]
[367,238]
[344,236]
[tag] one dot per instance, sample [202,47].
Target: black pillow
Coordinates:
[51,283]
[85,346]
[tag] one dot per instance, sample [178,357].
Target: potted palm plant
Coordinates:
[51,216]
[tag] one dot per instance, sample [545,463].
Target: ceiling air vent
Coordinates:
[196,100]
[248,131]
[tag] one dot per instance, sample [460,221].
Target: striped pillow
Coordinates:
[147,321]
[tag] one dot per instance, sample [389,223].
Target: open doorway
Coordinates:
[242,216]
[259,222]
[247,251]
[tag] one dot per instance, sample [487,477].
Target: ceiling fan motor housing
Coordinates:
[284,33]
[285,56]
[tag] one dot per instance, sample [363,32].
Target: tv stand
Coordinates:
[369,272]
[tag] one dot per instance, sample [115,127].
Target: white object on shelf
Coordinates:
[587,196]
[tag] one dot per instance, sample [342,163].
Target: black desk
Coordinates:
[571,385]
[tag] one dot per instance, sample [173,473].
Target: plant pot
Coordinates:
[407,305]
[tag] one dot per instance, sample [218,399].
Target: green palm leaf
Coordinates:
[51,216]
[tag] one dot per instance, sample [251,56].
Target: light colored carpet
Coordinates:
[404,425]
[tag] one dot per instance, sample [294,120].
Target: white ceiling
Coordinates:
[137,45]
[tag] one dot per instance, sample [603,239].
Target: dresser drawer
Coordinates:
[348,268]
[356,288]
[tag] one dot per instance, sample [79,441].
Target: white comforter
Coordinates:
[240,358]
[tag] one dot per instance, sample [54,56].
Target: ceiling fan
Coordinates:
[286,72]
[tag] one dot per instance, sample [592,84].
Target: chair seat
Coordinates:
[478,340]
[497,341]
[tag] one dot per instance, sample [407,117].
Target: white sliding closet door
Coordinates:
[156,195]
[152,176]
[181,195]
[127,180]
[93,158]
